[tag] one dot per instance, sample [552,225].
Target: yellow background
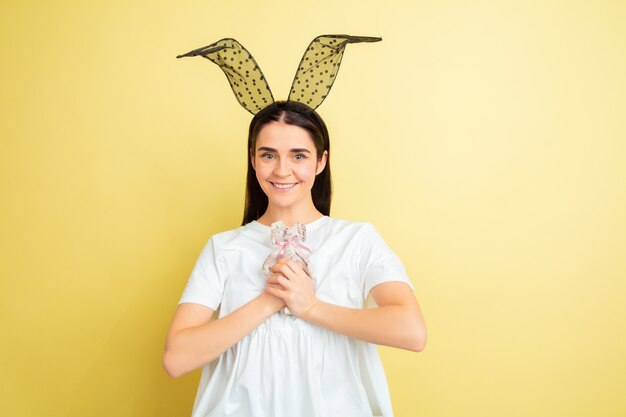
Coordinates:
[486,140]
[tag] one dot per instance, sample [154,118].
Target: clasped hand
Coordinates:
[291,283]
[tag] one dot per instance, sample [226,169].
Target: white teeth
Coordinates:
[283,186]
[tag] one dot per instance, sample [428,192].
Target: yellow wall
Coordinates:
[486,140]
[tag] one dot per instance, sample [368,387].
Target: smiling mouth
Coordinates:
[283,186]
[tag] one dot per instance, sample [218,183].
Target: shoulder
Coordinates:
[351,225]
[356,231]
[227,238]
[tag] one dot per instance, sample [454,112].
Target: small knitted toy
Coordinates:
[288,241]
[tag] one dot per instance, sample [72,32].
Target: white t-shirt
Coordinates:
[288,367]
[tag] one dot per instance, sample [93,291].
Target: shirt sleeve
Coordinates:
[378,262]
[206,283]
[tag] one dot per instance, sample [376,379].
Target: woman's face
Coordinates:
[285,161]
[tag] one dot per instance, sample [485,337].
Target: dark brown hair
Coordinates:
[296,114]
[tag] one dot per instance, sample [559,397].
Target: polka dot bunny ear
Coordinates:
[319,66]
[243,73]
[315,76]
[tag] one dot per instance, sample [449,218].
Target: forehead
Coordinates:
[280,135]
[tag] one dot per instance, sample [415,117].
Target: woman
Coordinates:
[317,361]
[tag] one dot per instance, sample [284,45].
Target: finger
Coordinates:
[280,261]
[273,281]
[298,267]
[278,287]
[284,282]
[278,265]
[276,292]
[293,264]
[285,270]
[274,268]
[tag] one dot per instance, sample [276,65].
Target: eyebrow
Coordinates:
[294,150]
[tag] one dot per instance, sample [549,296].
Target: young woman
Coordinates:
[320,360]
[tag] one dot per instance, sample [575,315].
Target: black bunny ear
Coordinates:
[243,73]
[318,67]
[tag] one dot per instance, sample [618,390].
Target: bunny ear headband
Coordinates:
[315,76]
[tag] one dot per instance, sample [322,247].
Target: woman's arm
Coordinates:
[396,322]
[194,339]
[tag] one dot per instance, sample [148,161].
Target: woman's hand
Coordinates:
[275,304]
[291,283]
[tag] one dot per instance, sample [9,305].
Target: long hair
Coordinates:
[296,114]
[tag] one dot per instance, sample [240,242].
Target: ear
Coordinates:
[331,47]
[252,159]
[218,53]
[321,163]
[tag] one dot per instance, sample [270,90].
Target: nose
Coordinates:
[282,168]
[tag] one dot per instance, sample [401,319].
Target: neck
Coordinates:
[289,216]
